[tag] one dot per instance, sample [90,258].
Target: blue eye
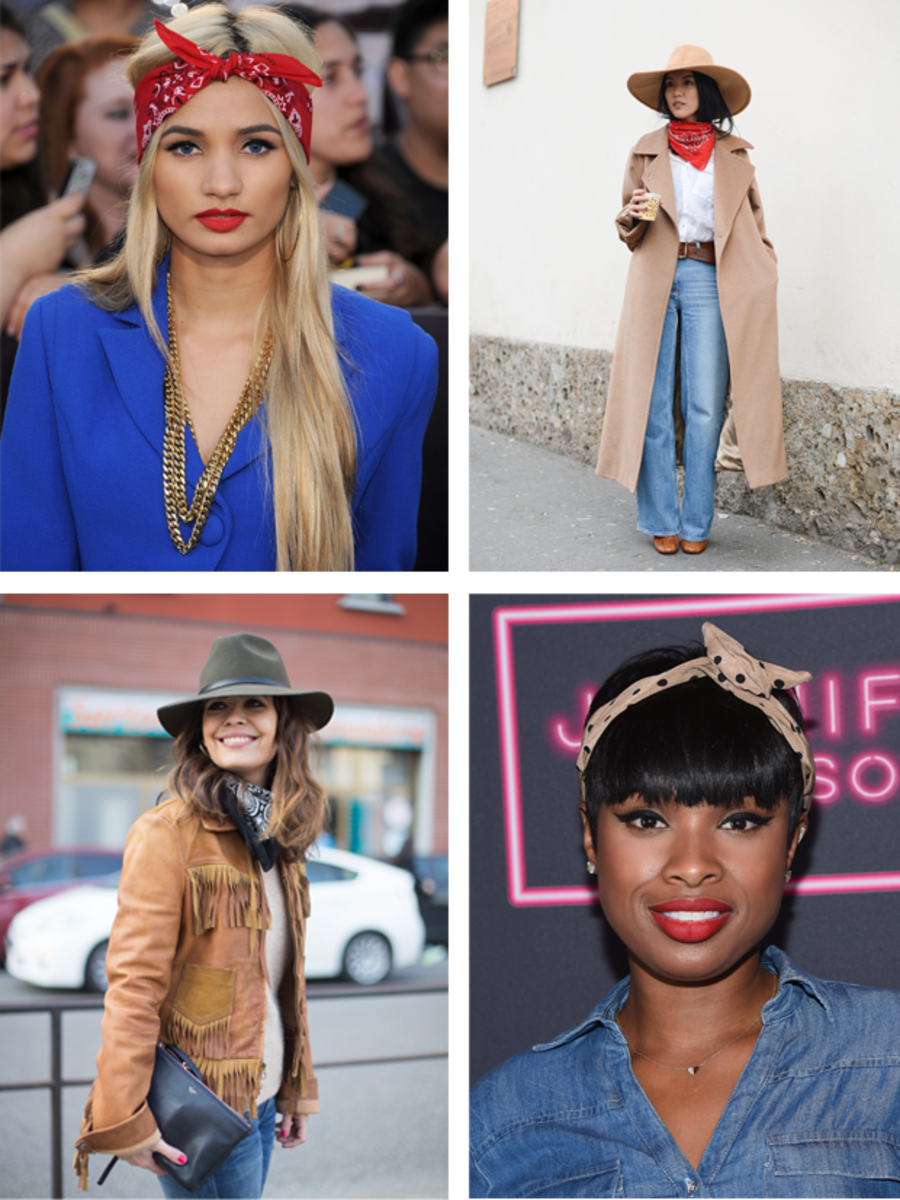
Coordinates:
[181,149]
[255,142]
[258,147]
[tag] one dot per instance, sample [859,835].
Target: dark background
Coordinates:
[536,971]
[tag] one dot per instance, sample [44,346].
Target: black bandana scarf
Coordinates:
[250,807]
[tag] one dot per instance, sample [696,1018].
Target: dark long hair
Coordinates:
[23,187]
[298,799]
[693,744]
[713,108]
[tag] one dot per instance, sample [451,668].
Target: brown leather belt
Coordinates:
[702,251]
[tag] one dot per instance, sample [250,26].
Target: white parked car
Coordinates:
[365,919]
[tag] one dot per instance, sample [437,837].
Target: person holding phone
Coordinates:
[34,236]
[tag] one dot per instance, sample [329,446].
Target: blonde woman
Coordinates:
[205,401]
[206,951]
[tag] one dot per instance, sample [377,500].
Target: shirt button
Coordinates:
[213,531]
[692,1187]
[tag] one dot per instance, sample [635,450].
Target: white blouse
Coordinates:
[693,199]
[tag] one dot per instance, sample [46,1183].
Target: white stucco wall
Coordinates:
[548,150]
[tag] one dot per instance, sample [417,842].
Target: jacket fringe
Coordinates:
[80,1165]
[209,1040]
[223,895]
[297,892]
[235,1080]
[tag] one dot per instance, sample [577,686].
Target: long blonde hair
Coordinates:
[309,421]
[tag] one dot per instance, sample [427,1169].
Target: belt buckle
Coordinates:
[680,255]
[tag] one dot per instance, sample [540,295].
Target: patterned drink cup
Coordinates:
[652,200]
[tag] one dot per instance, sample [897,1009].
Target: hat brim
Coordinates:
[735,89]
[318,707]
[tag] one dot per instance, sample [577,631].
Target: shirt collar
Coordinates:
[781,1006]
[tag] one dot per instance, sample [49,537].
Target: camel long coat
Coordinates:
[752,438]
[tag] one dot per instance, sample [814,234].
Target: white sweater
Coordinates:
[278,954]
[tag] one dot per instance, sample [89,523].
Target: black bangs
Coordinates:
[695,744]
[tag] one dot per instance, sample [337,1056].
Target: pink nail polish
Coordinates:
[182,1158]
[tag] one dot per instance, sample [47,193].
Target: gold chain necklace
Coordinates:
[178,419]
[694,1070]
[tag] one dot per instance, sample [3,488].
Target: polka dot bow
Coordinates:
[280,78]
[729,665]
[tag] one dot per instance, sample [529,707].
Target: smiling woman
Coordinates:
[206,951]
[712,1069]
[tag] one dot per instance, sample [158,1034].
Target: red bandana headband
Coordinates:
[279,77]
[693,140]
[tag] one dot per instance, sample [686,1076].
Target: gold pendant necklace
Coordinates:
[694,1070]
[178,420]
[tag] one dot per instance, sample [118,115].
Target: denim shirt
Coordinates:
[815,1112]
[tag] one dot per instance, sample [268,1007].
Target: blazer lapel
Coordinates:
[138,370]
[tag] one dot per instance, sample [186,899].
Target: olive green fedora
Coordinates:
[243,664]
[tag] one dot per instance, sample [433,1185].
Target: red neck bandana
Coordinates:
[693,140]
[278,76]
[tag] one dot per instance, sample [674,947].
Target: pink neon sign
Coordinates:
[872,777]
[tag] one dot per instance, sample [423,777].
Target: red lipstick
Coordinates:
[692,919]
[223,220]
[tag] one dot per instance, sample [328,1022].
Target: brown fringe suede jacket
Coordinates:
[186,964]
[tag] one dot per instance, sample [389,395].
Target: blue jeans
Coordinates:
[704,379]
[242,1176]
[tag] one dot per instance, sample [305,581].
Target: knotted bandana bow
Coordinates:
[165,89]
[729,665]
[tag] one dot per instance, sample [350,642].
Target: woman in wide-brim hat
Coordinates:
[703,279]
[207,948]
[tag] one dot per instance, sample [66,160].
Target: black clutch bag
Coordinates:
[192,1117]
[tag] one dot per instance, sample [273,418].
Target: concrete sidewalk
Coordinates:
[535,511]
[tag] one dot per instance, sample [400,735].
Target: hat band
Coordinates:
[220,683]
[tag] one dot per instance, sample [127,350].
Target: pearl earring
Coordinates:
[787,876]
[592,870]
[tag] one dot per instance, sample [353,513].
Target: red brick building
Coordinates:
[82,676]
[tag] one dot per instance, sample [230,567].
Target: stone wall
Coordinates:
[843,444]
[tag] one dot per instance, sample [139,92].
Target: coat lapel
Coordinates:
[733,177]
[658,173]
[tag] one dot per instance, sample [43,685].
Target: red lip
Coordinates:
[222,225]
[692,904]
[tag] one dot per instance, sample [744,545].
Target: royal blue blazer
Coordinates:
[81,452]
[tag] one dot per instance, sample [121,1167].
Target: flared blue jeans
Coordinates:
[694,300]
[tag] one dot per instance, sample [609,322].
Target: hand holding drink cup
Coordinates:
[644,205]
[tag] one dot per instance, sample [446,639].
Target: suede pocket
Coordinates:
[205,994]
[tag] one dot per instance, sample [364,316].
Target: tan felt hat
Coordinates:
[735,89]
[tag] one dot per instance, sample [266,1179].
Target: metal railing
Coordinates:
[56,1083]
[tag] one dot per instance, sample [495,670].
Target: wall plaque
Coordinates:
[501,40]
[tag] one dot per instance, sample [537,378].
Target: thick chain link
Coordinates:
[178,419]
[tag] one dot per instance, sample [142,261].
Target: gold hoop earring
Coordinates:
[287,257]
[167,242]
[297,240]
